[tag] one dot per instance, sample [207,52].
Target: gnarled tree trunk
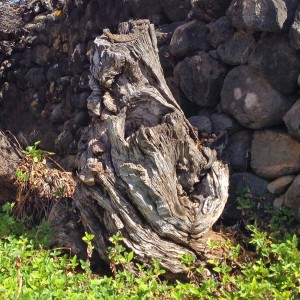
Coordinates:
[142,170]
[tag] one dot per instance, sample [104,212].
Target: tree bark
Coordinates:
[142,169]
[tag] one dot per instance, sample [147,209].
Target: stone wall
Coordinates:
[233,66]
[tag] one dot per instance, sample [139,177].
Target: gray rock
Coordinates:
[276,60]
[188,39]
[200,78]
[292,197]
[251,100]
[80,100]
[164,32]
[238,150]
[40,54]
[291,6]
[281,184]
[222,122]
[210,8]
[259,15]
[274,153]
[238,183]
[219,31]
[53,73]
[187,106]
[35,77]
[237,49]
[295,30]
[176,10]
[292,120]
[202,122]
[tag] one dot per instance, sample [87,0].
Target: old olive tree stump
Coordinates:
[141,168]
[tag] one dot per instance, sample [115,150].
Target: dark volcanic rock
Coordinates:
[219,31]
[40,55]
[238,150]
[236,50]
[212,8]
[222,122]
[276,60]
[188,39]
[295,30]
[292,120]
[260,15]
[200,78]
[239,182]
[202,123]
[274,154]
[251,100]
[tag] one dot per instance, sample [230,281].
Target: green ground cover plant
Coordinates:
[268,269]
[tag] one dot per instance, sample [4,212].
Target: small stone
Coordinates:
[274,154]
[188,39]
[281,184]
[278,202]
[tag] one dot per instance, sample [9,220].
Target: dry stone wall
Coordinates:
[233,66]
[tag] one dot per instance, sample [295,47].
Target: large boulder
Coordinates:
[200,78]
[274,153]
[276,60]
[251,100]
[189,38]
[259,15]
[236,50]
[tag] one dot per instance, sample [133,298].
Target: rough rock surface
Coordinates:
[238,150]
[276,60]
[292,120]
[292,197]
[222,122]
[202,123]
[240,182]
[260,15]
[295,30]
[219,31]
[280,184]
[189,38]
[210,9]
[274,154]
[250,99]
[200,78]
[236,50]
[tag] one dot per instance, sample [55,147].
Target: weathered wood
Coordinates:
[10,22]
[141,167]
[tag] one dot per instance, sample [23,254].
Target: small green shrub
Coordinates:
[29,271]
